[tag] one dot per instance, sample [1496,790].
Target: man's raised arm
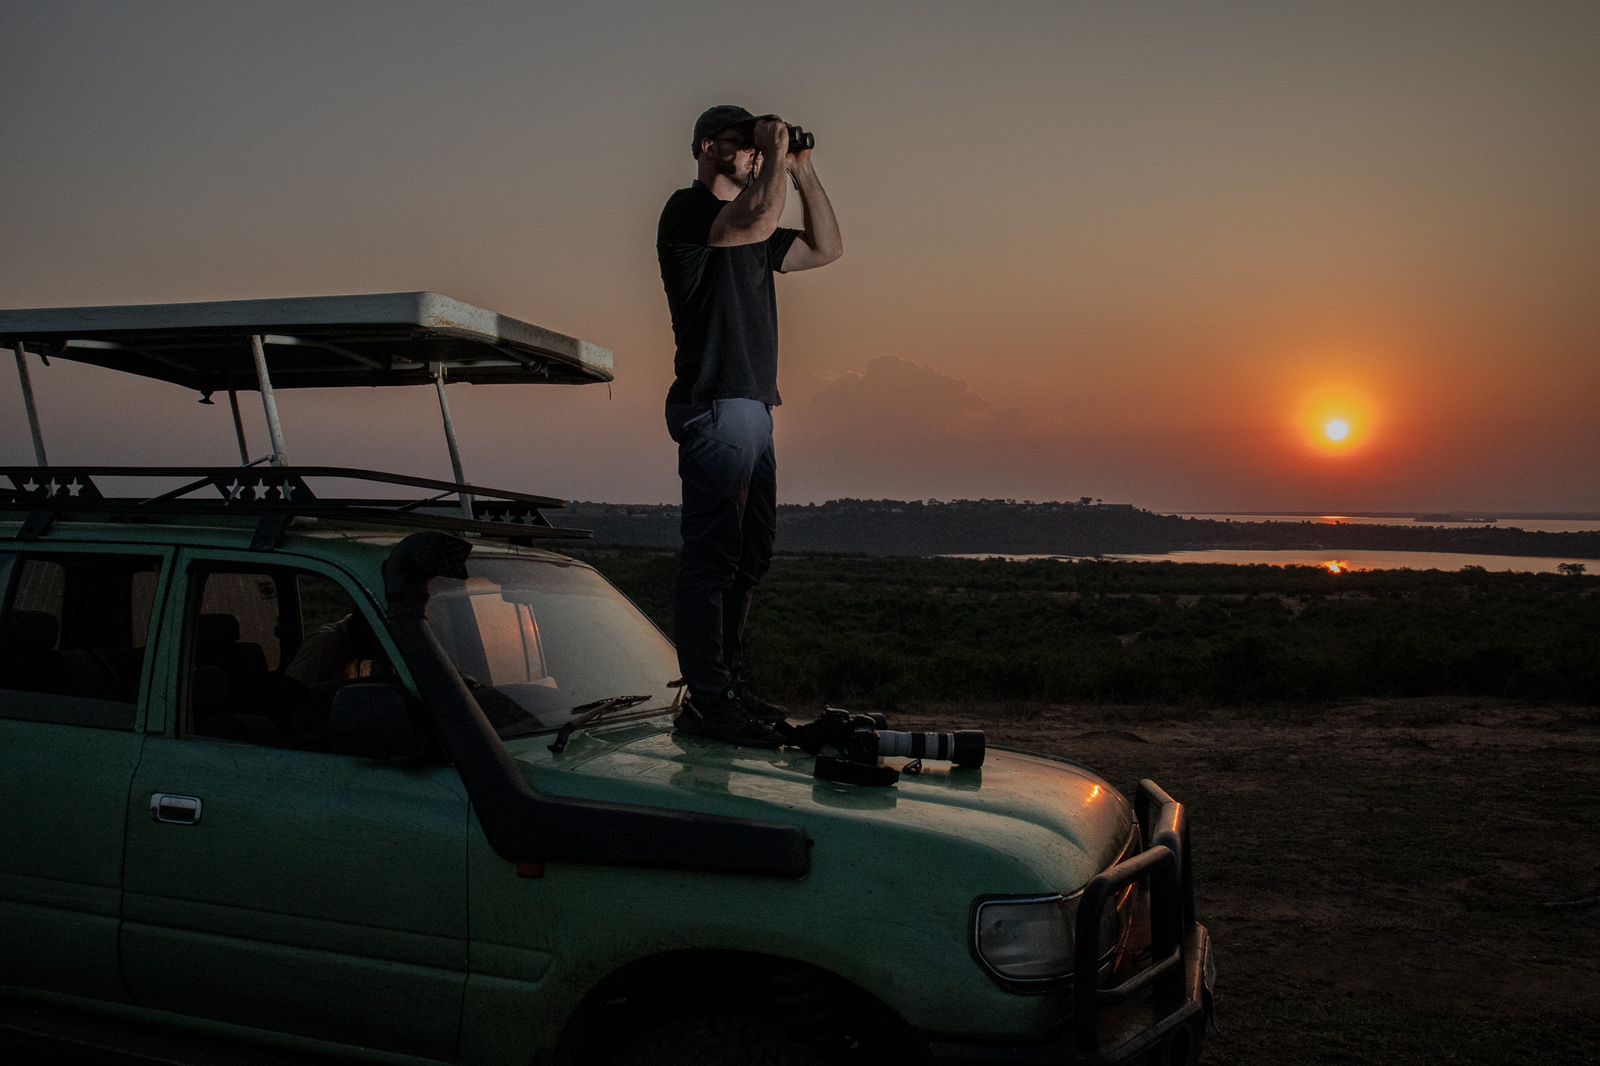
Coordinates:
[753,215]
[819,243]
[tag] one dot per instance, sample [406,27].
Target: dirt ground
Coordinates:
[1399,881]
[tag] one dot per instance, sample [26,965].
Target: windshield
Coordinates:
[535,640]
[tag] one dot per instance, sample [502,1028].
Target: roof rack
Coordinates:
[402,338]
[274,495]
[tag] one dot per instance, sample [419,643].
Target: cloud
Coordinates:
[897,428]
[895,400]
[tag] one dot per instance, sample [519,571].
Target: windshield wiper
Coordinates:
[586,713]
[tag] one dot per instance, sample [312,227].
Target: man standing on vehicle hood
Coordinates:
[719,243]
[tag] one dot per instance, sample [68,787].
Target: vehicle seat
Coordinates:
[29,661]
[89,673]
[217,644]
[208,702]
[128,666]
[211,712]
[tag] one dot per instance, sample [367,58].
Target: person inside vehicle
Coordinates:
[345,649]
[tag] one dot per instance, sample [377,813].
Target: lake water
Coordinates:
[1344,561]
[1348,560]
[1532,525]
[1367,560]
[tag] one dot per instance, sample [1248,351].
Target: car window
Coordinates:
[538,641]
[251,600]
[41,586]
[266,651]
[73,636]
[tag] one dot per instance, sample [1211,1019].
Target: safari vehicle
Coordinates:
[350,763]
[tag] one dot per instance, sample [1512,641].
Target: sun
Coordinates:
[1335,420]
[1337,430]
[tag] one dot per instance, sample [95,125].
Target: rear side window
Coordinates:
[73,634]
[42,586]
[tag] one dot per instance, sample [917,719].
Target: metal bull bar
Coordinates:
[1164,865]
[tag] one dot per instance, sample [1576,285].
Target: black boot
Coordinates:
[759,709]
[725,718]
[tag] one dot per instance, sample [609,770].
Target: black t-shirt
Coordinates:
[723,303]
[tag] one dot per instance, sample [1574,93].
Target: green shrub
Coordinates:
[889,631]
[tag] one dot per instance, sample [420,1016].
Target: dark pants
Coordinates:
[730,515]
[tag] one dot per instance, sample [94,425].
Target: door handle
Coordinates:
[174,810]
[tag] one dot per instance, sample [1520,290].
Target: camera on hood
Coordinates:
[849,747]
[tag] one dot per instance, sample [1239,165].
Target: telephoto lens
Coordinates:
[964,747]
[800,140]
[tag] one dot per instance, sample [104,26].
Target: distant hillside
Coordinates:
[895,527]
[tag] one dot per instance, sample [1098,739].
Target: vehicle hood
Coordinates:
[1045,816]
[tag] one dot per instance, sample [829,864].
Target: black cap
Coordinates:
[716,119]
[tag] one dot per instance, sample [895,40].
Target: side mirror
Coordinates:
[375,720]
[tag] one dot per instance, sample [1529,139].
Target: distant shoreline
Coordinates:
[1009,527]
[1458,516]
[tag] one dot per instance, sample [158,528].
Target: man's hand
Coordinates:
[772,138]
[800,164]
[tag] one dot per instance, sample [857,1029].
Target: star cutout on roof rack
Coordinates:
[282,491]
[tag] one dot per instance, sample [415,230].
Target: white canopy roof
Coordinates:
[315,341]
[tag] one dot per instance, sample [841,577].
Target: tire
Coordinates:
[715,1041]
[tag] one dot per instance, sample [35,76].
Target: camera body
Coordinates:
[850,736]
[849,746]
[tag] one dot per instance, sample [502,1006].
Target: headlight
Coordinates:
[1033,939]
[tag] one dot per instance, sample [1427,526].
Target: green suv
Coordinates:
[386,779]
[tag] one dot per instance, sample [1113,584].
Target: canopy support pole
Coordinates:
[238,428]
[269,401]
[436,370]
[33,411]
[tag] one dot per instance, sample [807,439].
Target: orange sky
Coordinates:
[1134,252]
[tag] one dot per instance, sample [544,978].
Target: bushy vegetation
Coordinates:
[881,632]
